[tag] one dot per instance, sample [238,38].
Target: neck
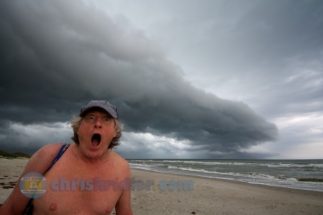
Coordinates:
[88,159]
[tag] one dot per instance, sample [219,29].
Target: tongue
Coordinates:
[95,142]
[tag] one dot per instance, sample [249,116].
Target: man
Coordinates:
[89,178]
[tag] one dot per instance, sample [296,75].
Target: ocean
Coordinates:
[296,174]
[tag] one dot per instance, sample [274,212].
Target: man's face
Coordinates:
[96,132]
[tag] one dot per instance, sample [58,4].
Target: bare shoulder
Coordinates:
[120,161]
[48,150]
[41,160]
[118,158]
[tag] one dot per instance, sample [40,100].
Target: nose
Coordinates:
[97,123]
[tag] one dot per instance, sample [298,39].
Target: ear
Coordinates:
[115,129]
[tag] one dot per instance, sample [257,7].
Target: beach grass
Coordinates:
[13,155]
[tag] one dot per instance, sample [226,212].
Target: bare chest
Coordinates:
[77,189]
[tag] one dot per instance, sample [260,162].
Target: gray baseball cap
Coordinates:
[103,104]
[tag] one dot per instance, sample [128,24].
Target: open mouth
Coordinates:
[96,139]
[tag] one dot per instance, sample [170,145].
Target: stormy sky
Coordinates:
[191,79]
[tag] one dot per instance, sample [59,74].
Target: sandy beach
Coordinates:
[10,170]
[157,193]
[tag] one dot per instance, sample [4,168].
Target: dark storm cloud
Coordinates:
[262,44]
[55,56]
[255,33]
